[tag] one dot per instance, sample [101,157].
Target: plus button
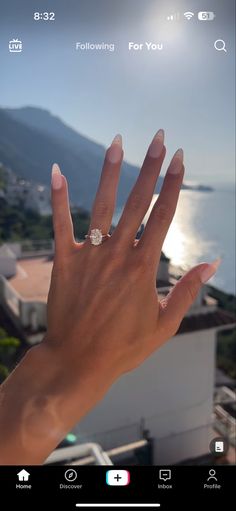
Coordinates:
[117,477]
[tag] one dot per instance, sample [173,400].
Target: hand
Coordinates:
[104,315]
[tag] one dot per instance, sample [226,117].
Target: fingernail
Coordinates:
[210,270]
[56,177]
[176,164]
[156,146]
[114,152]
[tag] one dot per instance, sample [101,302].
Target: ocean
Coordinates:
[202,230]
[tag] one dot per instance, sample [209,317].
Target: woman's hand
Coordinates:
[104,315]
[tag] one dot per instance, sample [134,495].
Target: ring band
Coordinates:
[96,237]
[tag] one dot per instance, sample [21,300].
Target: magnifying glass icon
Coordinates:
[219,45]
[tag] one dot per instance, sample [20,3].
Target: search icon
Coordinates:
[219,45]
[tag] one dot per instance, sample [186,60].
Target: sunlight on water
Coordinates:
[183,244]
[203,229]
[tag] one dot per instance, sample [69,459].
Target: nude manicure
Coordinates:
[56,177]
[177,162]
[114,152]
[210,270]
[156,146]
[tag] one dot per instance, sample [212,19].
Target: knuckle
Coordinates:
[60,227]
[59,267]
[144,258]
[135,201]
[116,258]
[192,288]
[163,214]
[142,265]
[102,208]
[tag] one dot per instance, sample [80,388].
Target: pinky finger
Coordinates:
[62,222]
[181,297]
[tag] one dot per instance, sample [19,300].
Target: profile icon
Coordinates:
[212,475]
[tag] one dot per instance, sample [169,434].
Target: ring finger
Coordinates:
[104,202]
[163,210]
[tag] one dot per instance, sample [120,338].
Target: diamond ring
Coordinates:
[96,236]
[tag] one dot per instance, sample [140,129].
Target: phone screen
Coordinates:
[74,74]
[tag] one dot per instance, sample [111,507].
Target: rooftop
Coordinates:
[204,321]
[33,278]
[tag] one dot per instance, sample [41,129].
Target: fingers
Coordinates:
[182,296]
[142,192]
[62,223]
[104,203]
[163,210]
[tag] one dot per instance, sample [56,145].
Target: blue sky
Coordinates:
[188,88]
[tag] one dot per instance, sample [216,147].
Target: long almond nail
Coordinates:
[176,164]
[210,270]
[56,177]
[114,152]
[156,146]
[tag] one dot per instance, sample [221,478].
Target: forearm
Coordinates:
[39,404]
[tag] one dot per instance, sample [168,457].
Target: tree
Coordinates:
[8,350]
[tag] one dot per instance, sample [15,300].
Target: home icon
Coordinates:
[23,475]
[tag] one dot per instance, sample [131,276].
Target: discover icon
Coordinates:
[70,475]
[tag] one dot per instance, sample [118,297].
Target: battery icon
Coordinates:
[206,16]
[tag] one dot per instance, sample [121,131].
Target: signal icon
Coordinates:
[173,17]
[188,15]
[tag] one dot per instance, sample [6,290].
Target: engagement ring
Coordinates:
[96,237]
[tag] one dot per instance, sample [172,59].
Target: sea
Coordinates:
[203,229]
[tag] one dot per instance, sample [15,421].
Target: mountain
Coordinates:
[31,139]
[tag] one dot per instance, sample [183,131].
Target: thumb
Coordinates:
[183,294]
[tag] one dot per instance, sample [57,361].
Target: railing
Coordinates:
[31,248]
[225,395]
[224,422]
[113,453]
[90,453]
[91,450]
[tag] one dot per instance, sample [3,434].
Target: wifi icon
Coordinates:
[188,15]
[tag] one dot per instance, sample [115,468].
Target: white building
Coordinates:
[35,196]
[7,262]
[170,395]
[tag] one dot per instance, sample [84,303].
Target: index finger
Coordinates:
[62,222]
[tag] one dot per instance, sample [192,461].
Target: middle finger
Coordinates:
[140,197]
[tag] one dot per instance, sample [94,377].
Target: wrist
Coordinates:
[40,402]
[73,383]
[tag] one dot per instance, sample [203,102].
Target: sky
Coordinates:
[187,88]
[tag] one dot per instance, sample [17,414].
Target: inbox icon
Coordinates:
[165,474]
